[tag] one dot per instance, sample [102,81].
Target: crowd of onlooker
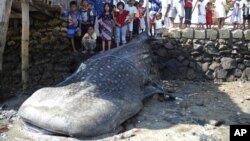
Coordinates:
[121,20]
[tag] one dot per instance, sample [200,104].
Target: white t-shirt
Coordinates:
[202,8]
[158,24]
[131,9]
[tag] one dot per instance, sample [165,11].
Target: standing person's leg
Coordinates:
[92,44]
[124,32]
[248,23]
[118,35]
[85,45]
[103,45]
[189,17]
[186,17]
[219,23]
[222,22]
[73,44]
[181,22]
[109,45]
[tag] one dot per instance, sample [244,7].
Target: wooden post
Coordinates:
[25,42]
[5,8]
[147,18]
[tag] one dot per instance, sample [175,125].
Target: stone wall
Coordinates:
[222,55]
[51,58]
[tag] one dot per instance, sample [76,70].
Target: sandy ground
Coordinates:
[203,112]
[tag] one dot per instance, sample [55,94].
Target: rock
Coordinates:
[188,33]
[210,43]
[61,68]
[205,66]
[248,46]
[239,43]
[246,74]
[168,45]
[191,74]
[207,59]
[222,41]
[198,47]
[36,35]
[247,56]
[11,43]
[180,58]
[225,52]
[238,34]
[185,62]
[223,47]
[54,22]
[175,33]
[162,52]
[247,34]
[220,73]
[199,34]
[192,65]
[44,40]
[212,34]
[209,74]
[234,52]
[195,53]
[216,122]
[241,66]
[239,60]
[237,72]
[246,62]
[211,50]
[198,58]
[228,63]
[236,47]
[224,33]
[231,78]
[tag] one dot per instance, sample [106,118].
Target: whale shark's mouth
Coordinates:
[33,128]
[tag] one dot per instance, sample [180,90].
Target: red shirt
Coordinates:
[121,17]
[188,3]
[209,15]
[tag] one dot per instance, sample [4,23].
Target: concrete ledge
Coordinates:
[188,33]
[247,34]
[199,34]
[174,33]
[224,33]
[237,34]
[210,34]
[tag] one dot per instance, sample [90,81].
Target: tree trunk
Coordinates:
[5,8]
[25,42]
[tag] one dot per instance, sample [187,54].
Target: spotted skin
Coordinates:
[105,91]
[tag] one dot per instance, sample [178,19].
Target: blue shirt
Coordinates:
[74,18]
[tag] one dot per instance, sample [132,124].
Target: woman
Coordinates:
[220,12]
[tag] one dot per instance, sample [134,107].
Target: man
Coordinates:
[132,11]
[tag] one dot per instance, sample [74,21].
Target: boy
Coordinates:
[75,19]
[132,11]
[158,25]
[89,40]
[87,16]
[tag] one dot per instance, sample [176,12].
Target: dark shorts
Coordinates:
[246,17]
[71,33]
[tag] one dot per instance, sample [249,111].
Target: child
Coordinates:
[175,7]
[141,11]
[158,25]
[89,40]
[121,19]
[106,22]
[75,19]
[132,11]
[236,16]
[201,14]
[209,15]
[188,12]
[87,16]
